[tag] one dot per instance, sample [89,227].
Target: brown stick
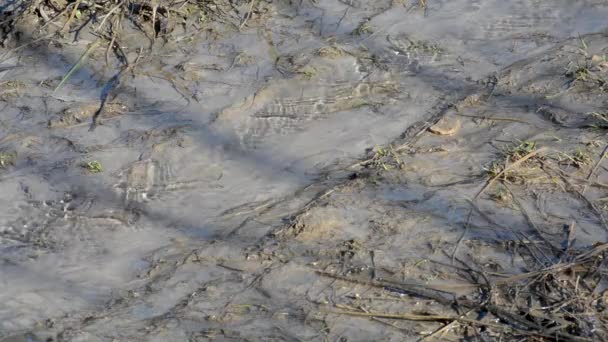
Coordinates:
[531,222]
[66,26]
[596,166]
[435,318]
[494,118]
[511,166]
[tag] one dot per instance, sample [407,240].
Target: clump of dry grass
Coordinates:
[590,71]
[155,19]
[555,290]
[562,295]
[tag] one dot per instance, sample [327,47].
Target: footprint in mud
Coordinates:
[270,113]
[416,52]
[53,225]
[572,74]
[150,179]
[143,179]
[83,114]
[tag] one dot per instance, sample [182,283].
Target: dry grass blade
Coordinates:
[531,222]
[78,64]
[566,178]
[105,17]
[247,15]
[445,328]
[464,233]
[494,118]
[439,295]
[66,25]
[442,318]
[508,168]
[596,166]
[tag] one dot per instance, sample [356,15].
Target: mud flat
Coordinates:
[308,170]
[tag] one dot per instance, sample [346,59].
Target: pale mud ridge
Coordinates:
[283,177]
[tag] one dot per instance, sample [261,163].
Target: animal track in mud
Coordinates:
[149,179]
[416,51]
[338,100]
[51,225]
[83,114]
[285,115]
[524,18]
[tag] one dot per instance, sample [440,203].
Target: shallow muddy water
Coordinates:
[214,144]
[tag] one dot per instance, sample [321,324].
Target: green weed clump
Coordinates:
[92,166]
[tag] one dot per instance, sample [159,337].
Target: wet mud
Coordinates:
[304,171]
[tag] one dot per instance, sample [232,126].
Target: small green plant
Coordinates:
[493,169]
[92,166]
[577,159]
[502,196]
[588,71]
[12,84]
[10,88]
[582,73]
[330,52]
[603,203]
[381,152]
[7,159]
[520,150]
[308,72]
[582,157]
[363,28]
[601,119]
[387,158]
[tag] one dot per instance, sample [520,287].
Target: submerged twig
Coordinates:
[466,230]
[596,166]
[443,318]
[494,118]
[66,25]
[92,46]
[105,17]
[111,86]
[531,222]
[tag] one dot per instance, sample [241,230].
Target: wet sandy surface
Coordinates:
[232,171]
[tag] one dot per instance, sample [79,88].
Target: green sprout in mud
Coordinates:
[511,154]
[603,203]
[582,158]
[582,73]
[381,152]
[577,159]
[387,158]
[92,166]
[10,88]
[424,46]
[516,152]
[590,70]
[308,72]
[601,120]
[6,159]
[502,196]
[493,170]
[363,28]
[12,84]
[330,52]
